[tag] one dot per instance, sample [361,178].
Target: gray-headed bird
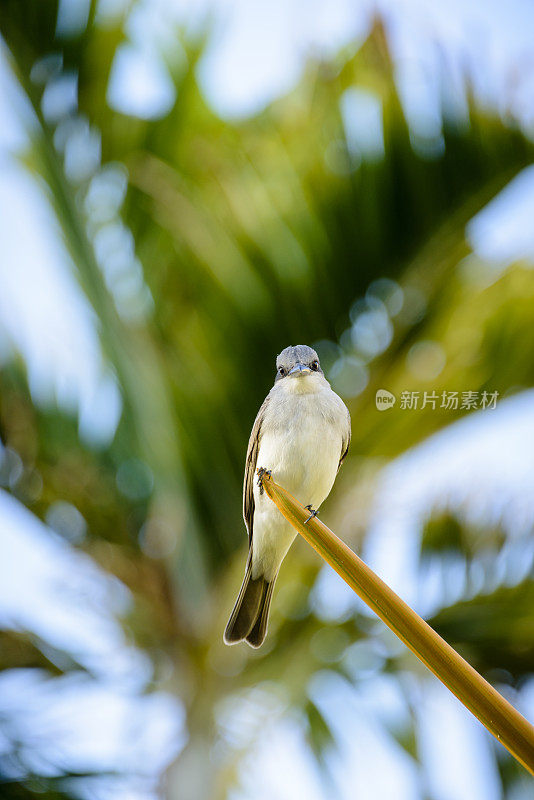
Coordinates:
[301,436]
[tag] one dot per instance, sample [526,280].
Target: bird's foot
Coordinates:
[313,513]
[261,472]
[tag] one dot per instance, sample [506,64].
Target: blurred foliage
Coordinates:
[252,235]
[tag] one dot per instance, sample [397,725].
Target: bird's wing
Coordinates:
[345,444]
[250,469]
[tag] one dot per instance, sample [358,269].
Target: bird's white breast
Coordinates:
[301,443]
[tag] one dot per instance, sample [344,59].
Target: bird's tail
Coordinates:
[248,620]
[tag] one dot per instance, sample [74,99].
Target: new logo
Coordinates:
[384,400]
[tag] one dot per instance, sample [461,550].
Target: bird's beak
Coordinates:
[300,369]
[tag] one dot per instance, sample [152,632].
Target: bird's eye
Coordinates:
[315,365]
[282,371]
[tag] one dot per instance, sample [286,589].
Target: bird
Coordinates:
[300,436]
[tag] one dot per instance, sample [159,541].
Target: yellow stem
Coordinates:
[497,714]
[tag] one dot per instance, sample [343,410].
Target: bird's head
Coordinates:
[296,363]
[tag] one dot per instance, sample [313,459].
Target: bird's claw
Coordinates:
[313,513]
[261,472]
